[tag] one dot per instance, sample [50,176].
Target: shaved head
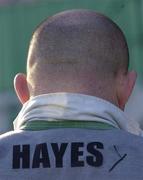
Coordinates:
[76,51]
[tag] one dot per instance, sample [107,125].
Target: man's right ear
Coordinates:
[21,87]
[125,85]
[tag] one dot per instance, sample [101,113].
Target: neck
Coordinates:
[96,91]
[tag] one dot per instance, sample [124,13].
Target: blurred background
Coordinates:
[19,18]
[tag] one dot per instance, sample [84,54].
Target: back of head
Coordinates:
[77,51]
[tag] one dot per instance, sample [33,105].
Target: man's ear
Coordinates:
[125,87]
[21,87]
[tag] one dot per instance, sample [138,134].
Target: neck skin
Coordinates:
[80,83]
[116,90]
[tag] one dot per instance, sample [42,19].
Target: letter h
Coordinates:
[21,155]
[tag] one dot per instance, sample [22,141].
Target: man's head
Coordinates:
[78,51]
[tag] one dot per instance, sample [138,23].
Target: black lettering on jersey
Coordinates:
[80,155]
[97,159]
[59,153]
[76,153]
[41,156]
[21,156]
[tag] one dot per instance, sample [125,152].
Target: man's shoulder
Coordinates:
[11,136]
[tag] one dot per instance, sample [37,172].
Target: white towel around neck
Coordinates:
[68,106]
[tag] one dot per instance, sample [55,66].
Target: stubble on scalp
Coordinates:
[77,41]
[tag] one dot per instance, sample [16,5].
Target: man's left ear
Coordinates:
[21,87]
[125,88]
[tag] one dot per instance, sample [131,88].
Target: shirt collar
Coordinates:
[78,107]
